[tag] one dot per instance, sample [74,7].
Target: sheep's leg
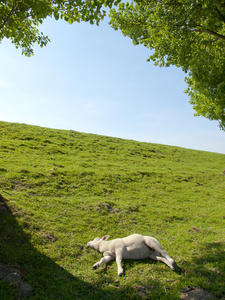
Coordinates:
[104,260]
[156,256]
[159,252]
[119,257]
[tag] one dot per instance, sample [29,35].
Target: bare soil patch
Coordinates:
[191,293]
[14,276]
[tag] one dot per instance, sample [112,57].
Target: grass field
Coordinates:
[60,189]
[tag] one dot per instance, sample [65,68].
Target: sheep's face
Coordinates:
[93,243]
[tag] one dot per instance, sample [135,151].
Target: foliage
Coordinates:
[64,188]
[206,86]
[20,19]
[187,34]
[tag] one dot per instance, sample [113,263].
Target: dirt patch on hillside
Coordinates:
[14,276]
[191,293]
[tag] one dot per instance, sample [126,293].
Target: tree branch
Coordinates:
[8,17]
[220,36]
[221,16]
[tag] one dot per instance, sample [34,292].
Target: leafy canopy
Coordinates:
[184,33]
[187,34]
[19,19]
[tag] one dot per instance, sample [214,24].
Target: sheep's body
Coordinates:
[133,247]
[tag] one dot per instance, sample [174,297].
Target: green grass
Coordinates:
[65,188]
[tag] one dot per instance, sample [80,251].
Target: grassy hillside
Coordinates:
[60,189]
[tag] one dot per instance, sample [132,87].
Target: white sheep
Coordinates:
[134,247]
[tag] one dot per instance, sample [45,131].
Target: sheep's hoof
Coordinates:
[95,267]
[176,268]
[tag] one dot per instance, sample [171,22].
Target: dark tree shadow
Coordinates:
[27,273]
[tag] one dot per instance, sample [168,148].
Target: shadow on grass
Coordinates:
[25,272]
[208,269]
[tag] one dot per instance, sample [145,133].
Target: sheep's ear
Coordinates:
[105,238]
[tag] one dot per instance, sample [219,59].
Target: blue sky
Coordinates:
[92,79]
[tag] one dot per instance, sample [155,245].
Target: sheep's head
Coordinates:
[95,243]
